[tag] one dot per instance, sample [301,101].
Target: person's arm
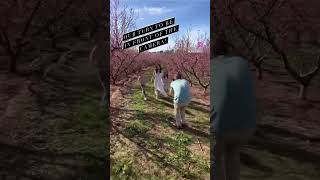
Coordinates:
[213,115]
[171,89]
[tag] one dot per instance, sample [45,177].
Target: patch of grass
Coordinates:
[201,163]
[183,138]
[166,153]
[190,175]
[153,142]
[136,127]
[180,155]
[284,168]
[137,102]
[87,132]
[123,170]
[139,115]
[178,139]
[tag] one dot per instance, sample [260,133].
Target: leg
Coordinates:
[177,115]
[142,89]
[233,161]
[104,95]
[220,170]
[143,92]
[183,114]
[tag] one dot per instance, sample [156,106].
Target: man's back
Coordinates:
[181,91]
[232,95]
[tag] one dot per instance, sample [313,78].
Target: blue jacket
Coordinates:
[232,95]
[181,91]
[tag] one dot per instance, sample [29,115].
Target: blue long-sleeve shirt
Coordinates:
[232,95]
[181,91]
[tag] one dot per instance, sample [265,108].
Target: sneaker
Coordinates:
[184,124]
[177,126]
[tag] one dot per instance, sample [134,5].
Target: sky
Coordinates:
[193,15]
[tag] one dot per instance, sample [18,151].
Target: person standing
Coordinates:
[233,113]
[159,83]
[166,82]
[143,80]
[181,99]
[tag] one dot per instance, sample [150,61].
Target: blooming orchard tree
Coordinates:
[23,24]
[278,25]
[123,61]
[192,59]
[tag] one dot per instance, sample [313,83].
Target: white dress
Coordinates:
[159,84]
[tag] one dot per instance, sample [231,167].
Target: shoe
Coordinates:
[178,127]
[184,124]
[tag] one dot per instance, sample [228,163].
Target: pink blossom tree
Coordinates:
[192,59]
[123,61]
[278,24]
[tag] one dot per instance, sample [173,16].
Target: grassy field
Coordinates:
[85,135]
[261,164]
[53,127]
[146,145]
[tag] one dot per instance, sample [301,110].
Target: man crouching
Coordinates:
[181,99]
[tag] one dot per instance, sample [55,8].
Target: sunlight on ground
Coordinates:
[149,147]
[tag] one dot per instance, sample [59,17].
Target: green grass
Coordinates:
[283,168]
[170,155]
[168,150]
[137,127]
[85,134]
[123,170]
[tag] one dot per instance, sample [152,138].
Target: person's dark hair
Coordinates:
[159,68]
[178,75]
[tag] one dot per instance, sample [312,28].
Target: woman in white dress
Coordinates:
[166,82]
[159,83]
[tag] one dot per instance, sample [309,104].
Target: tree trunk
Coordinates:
[53,43]
[303,91]
[13,65]
[205,89]
[259,72]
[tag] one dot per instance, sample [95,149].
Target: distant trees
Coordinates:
[192,59]
[263,31]
[23,23]
[123,61]
[186,56]
[32,26]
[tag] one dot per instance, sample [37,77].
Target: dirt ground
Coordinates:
[146,145]
[36,115]
[287,142]
[296,122]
